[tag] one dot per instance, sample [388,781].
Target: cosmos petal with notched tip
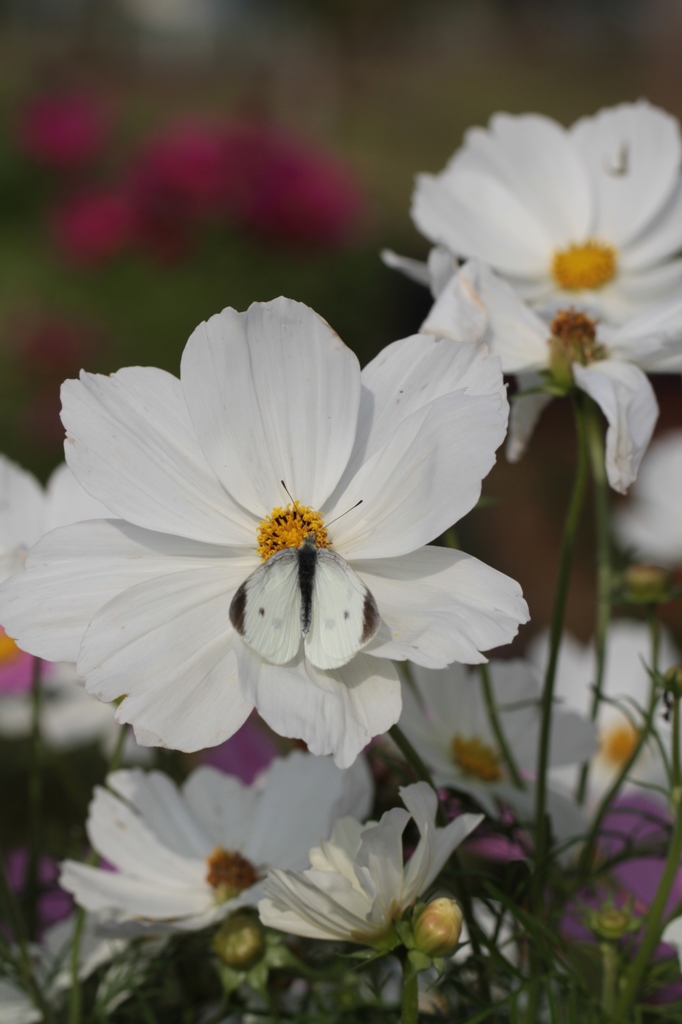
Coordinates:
[131,444]
[273,395]
[441,606]
[335,712]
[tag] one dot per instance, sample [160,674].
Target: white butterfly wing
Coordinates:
[266,609]
[344,615]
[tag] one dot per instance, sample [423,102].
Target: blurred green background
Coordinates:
[382,88]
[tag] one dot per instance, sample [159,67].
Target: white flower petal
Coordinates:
[645,142]
[458,313]
[320,905]
[118,832]
[627,400]
[380,857]
[131,444]
[651,523]
[427,476]
[75,570]
[156,799]
[222,805]
[273,394]
[534,157]
[415,270]
[111,894]
[654,334]
[22,508]
[515,333]
[67,502]
[661,239]
[317,785]
[525,413]
[477,216]
[441,606]
[334,712]
[406,377]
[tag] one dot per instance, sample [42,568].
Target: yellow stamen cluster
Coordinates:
[229,873]
[288,528]
[618,742]
[584,266]
[8,649]
[477,758]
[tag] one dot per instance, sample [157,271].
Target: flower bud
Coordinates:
[437,927]
[646,584]
[612,923]
[240,942]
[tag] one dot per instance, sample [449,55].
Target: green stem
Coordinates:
[677,771]
[558,614]
[410,1002]
[34,805]
[653,930]
[496,726]
[76,997]
[609,984]
[595,445]
[414,760]
[547,700]
[19,936]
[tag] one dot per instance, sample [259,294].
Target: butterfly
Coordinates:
[307,592]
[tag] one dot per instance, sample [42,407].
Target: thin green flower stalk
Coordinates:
[410,993]
[547,700]
[595,445]
[76,995]
[496,726]
[558,614]
[35,799]
[19,935]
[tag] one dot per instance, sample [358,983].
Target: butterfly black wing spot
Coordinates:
[261,612]
[238,609]
[370,618]
[346,615]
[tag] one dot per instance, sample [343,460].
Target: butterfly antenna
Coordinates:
[327,525]
[288,492]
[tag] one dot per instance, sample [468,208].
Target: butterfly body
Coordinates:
[310,593]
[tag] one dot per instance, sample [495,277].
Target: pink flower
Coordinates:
[65,131]
[279,187]
[92,227]
[245,754]
[16,667]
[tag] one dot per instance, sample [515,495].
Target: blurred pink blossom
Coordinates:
[245,754]
[92,227]
[65,131]
[16,667]
[53,904]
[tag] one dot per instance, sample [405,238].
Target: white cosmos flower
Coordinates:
[627,686]
[651,522]
[447,721]
[608,363]
[53,971]
[195,467]
[27,510]
[589,216]
[357,886]
[185,858]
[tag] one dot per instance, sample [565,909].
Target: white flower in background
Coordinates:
[589,216]
[357,886]
[196,467]
[447,721]
[69,717]
[185,858]
[53,971]
[608,363]
[651,522]
[28,510]
[627,685]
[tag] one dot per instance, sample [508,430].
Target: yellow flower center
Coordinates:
[618,742]
[584,266]
[288,528]
[229,873]
[8,649]
[477,758]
